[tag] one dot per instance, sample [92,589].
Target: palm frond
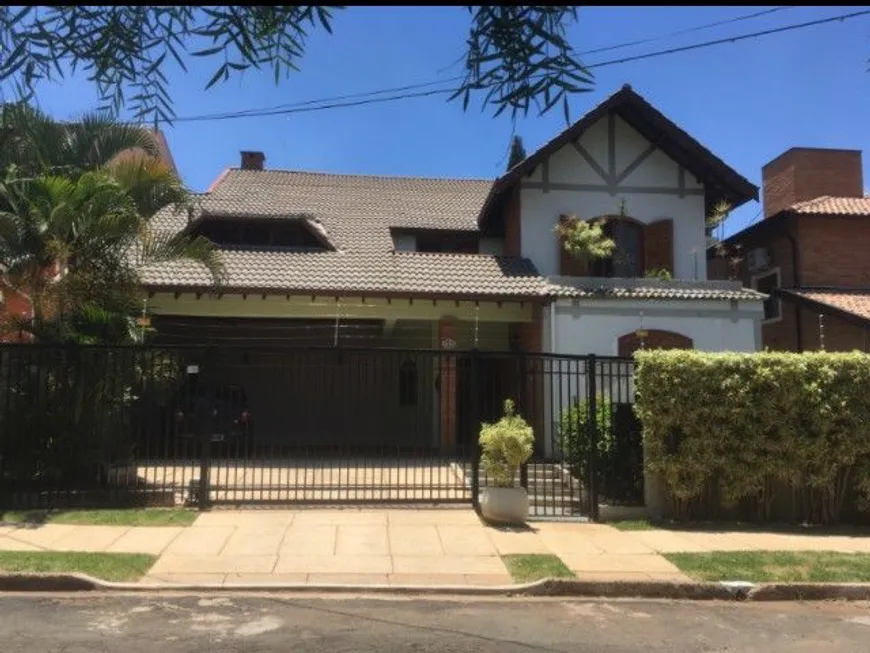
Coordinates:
[159,247]
[30,138]
[97,138]
[150,181]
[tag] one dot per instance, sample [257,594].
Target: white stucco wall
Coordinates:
[541,211]
[594,326]
[540,208]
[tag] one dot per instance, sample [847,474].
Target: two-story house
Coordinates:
[808,252]
[317,259]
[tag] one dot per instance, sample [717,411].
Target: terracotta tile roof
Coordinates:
[593,288]
[829,205]
[355,213]
[385,272]
[850,300]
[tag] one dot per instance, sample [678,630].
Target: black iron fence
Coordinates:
[204,425]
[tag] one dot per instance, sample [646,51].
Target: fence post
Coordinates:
[473,431]
[208,372]
[592,434]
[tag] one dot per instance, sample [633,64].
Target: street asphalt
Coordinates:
[169,623]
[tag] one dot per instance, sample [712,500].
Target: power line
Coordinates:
[314,105]
[688,30]
[419,85]
[733,39]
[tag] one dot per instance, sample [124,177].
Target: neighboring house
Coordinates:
[410,263]
[16,303]
[809,252]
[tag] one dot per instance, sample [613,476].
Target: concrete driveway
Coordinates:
[335,545]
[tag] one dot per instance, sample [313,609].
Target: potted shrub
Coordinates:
[505,446]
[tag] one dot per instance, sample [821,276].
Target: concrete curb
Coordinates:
[811,592]
[551,587]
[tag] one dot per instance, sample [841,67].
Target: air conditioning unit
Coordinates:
[758,259]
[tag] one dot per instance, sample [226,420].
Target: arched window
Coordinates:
[408,383]
[627,259]
[653,339]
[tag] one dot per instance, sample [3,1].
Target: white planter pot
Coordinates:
[504,505]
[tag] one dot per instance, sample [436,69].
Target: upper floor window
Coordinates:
[290,234]
[627,258]
[640,249]
[460,242]
[767,283]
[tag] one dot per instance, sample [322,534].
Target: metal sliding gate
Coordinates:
[281,425]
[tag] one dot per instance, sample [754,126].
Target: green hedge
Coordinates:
[737,426]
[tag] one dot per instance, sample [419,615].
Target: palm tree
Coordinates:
[76,247]
[35,143]
[75,231]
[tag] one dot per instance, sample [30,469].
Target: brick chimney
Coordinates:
[804,173]
[253,160]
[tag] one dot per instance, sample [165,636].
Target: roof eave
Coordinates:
[732,186]
[848,316]
[314,292]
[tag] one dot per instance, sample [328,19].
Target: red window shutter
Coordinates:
[658,245]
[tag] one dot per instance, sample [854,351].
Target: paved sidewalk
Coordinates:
[110,539]
[334,546]
[411,546]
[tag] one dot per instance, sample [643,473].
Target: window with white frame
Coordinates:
[767,283]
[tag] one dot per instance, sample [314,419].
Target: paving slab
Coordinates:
[238,578]
[489,579]
[213,564]
[450,564]
[185,579]
[561,543]
[613,576]
[245,518]
[318,539]
[666,541]
[605,562]
[427,579]
[619,544]
[250,540]
[516,541]
[43,536]
[432,517]
[145,539]
[465,541]
[203,541]
[347,579]
[338,516]
[331,564]
[419,539]
[362,540]
[89,538]
[11,544]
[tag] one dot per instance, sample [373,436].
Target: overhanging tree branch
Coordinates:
[517,56]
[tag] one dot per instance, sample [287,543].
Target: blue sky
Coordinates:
[747,101]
